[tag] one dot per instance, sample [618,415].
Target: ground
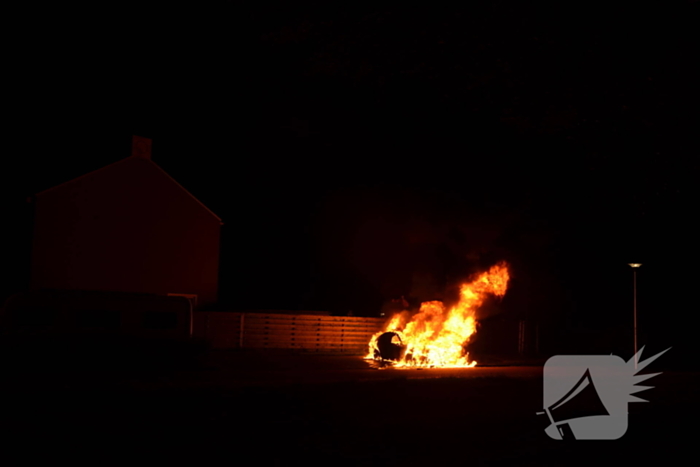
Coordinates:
[276,409]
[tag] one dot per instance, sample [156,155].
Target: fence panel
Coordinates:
[343,334]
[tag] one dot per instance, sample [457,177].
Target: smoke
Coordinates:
[459,249]
[416,243]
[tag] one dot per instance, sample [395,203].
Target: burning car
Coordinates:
[389,348]
[436,336]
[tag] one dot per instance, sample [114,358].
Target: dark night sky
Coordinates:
[356,156]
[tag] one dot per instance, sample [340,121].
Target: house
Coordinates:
[127,227]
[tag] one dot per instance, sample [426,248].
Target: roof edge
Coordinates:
[81,176]
[149,161]
[183,189]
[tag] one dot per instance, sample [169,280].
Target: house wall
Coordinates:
[129,228]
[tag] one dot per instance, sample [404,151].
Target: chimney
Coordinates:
[141,147]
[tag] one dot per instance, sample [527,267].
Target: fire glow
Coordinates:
[436,336]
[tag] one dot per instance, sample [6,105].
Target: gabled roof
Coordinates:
[130,158]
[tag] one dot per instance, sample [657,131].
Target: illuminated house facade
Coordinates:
[127,227]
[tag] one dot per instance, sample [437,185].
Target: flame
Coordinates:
[436,337]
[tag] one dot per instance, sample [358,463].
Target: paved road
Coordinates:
[236,371]
[279,410]
[233,370]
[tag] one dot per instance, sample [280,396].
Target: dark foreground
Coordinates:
[279,410]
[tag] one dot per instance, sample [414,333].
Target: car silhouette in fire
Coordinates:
[389,348]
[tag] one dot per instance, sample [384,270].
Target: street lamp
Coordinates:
[634,268]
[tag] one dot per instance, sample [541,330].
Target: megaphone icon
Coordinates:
[581,413]
[581,401]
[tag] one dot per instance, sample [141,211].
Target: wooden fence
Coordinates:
[228,330]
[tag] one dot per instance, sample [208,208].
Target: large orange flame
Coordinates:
[436,337]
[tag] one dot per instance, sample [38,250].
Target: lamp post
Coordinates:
[634,269]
